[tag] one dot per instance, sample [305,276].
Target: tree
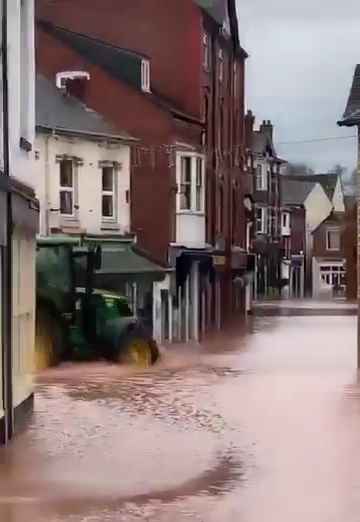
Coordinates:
[351,183]
[338,169]
[298,169]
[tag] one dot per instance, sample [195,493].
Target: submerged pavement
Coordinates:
[259,425]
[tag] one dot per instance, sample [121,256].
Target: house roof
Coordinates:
[334,218]
[215,8]
[56,111]
[123,64]
[293,191]
[327,181]
[224,11]
[352,112]
[261,144]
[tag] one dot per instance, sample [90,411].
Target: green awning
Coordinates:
[121,259]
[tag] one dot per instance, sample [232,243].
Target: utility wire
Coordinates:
[317,140]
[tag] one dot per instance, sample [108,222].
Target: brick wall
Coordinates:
[168,32]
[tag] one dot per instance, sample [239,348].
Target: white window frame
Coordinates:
[332,230]
[196,160]
[235,78]
[113,193]
[145,75]
[206,52]
[285,220]
[263,227]
[72,189]
[221,65]
[260,177]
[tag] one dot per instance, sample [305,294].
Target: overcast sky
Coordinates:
[302,59]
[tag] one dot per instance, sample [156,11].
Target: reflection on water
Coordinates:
[261,424]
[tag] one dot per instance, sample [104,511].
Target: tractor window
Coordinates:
[117,307]
[124,309]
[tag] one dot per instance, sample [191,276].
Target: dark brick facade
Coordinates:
[351,251]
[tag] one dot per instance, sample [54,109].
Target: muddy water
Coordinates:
[254,426]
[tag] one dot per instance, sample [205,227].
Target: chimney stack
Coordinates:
[267,129]
[249,128]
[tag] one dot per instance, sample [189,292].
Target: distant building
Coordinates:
[332,185]
[322,198]
[351,118]
[18,217]
[265,167]
[294,195]
[329,264]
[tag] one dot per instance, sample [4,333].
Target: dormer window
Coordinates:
[145,75]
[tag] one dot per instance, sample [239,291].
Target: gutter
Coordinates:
[82,134]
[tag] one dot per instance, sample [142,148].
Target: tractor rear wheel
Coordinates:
[48,340]
[138,350]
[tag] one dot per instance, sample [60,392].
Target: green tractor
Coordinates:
[75,320]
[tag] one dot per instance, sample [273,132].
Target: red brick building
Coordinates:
[350,247]
[180,90]
[264,167]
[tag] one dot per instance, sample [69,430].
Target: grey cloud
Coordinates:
[299,72]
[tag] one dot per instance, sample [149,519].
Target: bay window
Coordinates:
[191,183]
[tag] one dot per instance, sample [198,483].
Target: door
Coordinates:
[6,393]
[164,315]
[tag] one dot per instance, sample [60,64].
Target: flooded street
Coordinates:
[254,426]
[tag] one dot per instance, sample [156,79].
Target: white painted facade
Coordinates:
[326,274]
[318,207]
[21,79]
[24,303]
[190,200]
[88,158]
[21,117]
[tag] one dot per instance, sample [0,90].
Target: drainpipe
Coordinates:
[47,182]
[7,265]
[358,245]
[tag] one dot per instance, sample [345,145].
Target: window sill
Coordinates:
[69,221]
[110,225]
[198,213]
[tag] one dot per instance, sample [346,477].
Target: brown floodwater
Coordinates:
[262,424]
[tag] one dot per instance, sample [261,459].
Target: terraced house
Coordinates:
[18,215]
[184,102]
